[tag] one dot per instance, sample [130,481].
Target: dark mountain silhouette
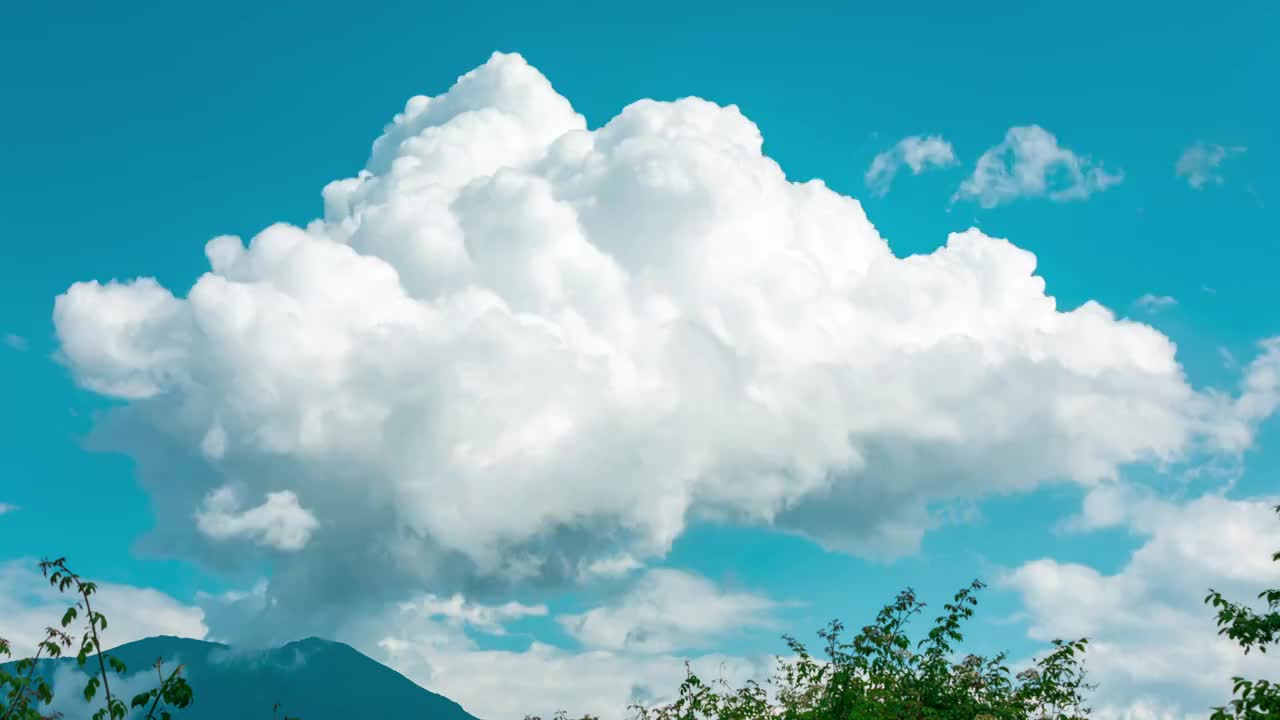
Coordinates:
[313,679]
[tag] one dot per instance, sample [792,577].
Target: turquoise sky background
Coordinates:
[130,134]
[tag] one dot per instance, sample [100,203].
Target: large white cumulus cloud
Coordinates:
[515,348]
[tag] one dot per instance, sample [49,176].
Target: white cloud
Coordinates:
[28,604]
[917,152]
[16,342]
[1228,358]
[279,522]
[668,610]
[1199,164]
[543,678]
[1156,302]
[67,684]
[1030,163]
[614,669]
[515,349]
[489,618]
[1154,646]
[609,567]
[7,508]
[1258,400]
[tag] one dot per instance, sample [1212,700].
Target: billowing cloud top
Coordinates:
[516,349]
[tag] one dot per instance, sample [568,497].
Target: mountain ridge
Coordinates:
[312,678]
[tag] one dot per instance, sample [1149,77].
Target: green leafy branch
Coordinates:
[877,676]
[1252,699]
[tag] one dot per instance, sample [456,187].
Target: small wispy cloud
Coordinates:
[6,508]
[1153,303]
[1252,191]
[457,609]
[1030,163]
[917,152]
[16,342]
[1199,164]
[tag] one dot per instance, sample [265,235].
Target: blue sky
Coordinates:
[133,136]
